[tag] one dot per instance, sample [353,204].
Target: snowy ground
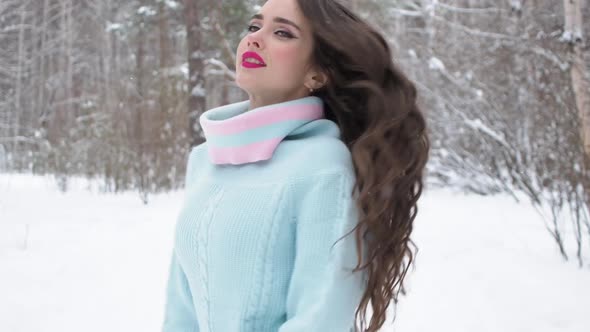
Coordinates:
[84,261]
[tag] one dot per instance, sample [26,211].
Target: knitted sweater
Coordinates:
[266,198]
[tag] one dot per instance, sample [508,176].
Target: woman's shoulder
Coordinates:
[196,153]
[323,156]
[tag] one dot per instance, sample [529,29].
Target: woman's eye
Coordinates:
[284,34]
[280,33]
[251,27]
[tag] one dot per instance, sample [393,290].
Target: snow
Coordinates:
[92,263]
[172,4]
[88,104]
[430,7]
[113,27]
[516,5]
[146,10]
[99,262]
[183,68]
[436,64]
[198,91]
[571,36]
[197,55]
[477,124]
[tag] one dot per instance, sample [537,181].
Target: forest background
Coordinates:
[112,91]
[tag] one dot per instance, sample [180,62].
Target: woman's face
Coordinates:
[280,35]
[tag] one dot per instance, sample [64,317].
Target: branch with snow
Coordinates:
[475,32]
[19,139]
[465,10]
[404,12]
[549,55]
[219,65]
[571,37]
[478,125]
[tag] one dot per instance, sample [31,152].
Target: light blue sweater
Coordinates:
[266,197]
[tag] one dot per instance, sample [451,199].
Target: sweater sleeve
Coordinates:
[179,312]
[323,293]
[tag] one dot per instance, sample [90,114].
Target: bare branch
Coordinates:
[464,10]
[221,66]
[475,32]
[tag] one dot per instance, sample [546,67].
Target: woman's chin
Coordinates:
[249,87]
[243,82]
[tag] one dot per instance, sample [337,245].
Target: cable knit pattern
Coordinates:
[255,246]
[203,252]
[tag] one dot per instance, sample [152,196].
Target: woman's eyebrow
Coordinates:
[278,20]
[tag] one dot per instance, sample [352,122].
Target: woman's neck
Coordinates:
[259,100]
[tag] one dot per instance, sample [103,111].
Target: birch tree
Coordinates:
[195,56]
[573,35]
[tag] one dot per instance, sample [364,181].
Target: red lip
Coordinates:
[252,55]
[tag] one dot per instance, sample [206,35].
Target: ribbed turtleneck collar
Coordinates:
[237,136]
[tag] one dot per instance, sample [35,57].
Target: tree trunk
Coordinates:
[18,87]
[581,91]
[196,86]
[573,19]
[164,37]
[164,59]
[140,162]
[580,85]
[66,56]
[428,10]
[140,54]
[107,60]
[41,112]
[216,13]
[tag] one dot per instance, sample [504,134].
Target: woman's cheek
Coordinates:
[289,57]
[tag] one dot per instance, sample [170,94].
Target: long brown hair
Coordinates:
[374,104]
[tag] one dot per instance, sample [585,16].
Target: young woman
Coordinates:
[329,143]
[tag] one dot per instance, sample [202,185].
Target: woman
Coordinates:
[330,142]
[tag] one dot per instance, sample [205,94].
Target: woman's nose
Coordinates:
[254,40]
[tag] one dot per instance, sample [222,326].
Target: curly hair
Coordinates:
[374,105]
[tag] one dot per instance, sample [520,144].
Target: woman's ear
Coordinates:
[316,80]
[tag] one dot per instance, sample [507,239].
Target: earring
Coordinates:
[310,90]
